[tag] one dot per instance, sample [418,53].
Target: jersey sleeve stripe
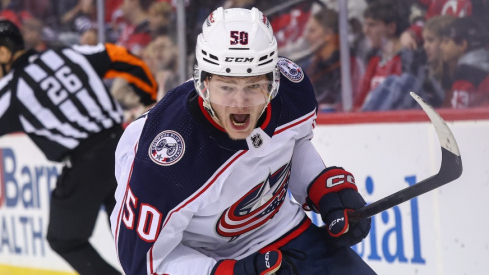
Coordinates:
[294,123]
[151,90]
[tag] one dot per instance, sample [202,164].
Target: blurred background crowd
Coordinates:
[384,49]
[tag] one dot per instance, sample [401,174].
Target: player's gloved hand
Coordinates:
[258,263]
[332,194]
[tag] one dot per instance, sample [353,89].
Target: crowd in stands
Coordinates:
[437,48]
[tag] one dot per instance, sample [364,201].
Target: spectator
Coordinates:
[324,67]
[288,23]
[456,8]
[160,17]
[38,8]
[437,68]
[14,12]
[135,34]
[77,16]
[384,23]
[161,55]
[463,48]
[114,19]
[356,38]
[480,10]
[424,75]
[412,37]
[32,32]
[38,18]
[111,7]
[89,37]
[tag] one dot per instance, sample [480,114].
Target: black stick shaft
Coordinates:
[451,168]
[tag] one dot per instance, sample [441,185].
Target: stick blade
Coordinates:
[450,169]
[447,140]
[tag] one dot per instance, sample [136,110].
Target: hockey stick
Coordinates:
[450,169]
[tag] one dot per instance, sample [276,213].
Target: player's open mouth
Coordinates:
[240,121]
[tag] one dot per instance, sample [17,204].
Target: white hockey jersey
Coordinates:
[189,196]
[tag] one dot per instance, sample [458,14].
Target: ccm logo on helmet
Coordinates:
[239,59]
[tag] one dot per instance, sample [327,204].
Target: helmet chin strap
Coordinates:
[264,107]
[208,106]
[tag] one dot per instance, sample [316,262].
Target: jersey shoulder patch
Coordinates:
[167,148]
[290,70]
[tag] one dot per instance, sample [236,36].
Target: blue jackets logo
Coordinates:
[290,70]
[167,148]
[257,206]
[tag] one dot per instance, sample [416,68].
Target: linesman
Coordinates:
[57,97]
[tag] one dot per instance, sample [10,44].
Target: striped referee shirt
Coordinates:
[59,99]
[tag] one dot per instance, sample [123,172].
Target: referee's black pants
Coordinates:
[86,183]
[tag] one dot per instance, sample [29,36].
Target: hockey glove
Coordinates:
[332,194]
[259,263]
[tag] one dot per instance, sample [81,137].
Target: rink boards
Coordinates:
[440,232]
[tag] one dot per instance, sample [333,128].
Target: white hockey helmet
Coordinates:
[239,43]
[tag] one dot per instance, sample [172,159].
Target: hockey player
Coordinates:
[203,177]
[58,98]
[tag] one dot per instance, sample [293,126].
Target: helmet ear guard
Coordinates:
[236,43]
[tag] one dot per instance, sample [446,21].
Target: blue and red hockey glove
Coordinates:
[332,193]
[259,263]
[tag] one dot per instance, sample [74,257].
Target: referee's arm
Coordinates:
[111,61]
